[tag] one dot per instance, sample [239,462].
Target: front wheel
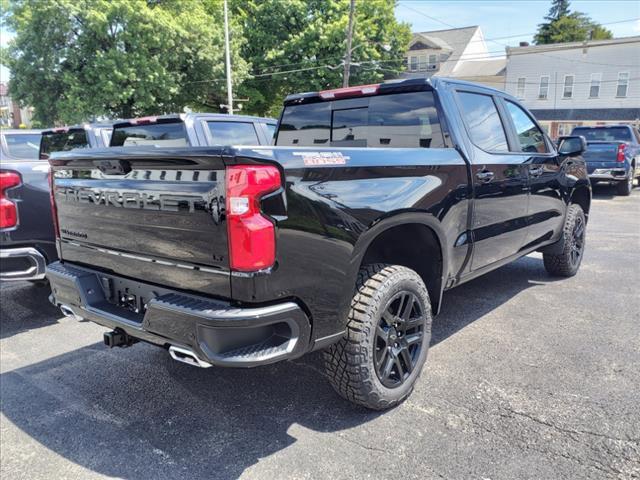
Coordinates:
[567,263]
[378,361]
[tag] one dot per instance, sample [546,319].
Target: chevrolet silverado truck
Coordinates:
[342,237]
[613,155]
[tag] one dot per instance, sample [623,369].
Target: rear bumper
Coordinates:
[609,174]
[216,332]
[24,263]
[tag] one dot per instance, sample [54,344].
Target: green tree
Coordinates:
[76,60]
[298,45]
[565,26]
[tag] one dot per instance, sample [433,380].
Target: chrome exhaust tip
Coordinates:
[185,355]
[67,312]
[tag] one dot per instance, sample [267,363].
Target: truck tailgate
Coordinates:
[601,155]
[148,214]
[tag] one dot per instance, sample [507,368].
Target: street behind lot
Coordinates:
[528,377]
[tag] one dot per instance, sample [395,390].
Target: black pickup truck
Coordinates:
[343,236]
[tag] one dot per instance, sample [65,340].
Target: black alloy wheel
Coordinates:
[398,339]
[577,240]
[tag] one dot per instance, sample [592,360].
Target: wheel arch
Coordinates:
[581,195]
[411,239]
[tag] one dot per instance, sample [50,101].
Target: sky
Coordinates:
[497,18]
[503,18]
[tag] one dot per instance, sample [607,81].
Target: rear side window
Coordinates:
[530,137]
[233,133]
[63,141]
[157,134]
[485,127]
[405,120]
[25,146]
[604,134]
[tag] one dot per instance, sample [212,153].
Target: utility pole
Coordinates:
[228,60]
[347,56]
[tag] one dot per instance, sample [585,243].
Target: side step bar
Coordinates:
[185,355]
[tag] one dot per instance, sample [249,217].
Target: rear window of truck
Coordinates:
[404,120]
[172,134]
[24,146]
[63,141]
[605,134]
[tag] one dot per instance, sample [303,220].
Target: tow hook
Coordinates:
[118,338]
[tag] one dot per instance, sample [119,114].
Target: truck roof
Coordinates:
[19,131]
[84,126]
[393,86]
[184,116]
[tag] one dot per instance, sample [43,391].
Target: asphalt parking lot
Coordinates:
[527,377]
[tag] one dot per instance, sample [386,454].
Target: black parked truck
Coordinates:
[343,236]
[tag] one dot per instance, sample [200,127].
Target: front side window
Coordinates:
[530,137]
[433,59]
[594,87]
[623,84]
[567,91]
[543,92]
[271,132]
[414,64]
[485,127]
[24,146]
[233,133]
[520,87]
[404,120]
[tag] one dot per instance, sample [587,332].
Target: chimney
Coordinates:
[524,44]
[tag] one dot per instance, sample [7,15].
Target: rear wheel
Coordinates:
[625,187]
[568,262]
[377,363]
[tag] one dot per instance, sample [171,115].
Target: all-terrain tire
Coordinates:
[567,263]
[349,363]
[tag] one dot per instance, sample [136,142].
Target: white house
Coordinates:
[458,53]
[582,83]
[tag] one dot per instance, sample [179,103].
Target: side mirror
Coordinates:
[572,146]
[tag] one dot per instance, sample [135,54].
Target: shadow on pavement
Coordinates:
[24,306]
[136,414]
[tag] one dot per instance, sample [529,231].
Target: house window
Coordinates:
[567,91]
[443,57]
[543,92]
[623,84]
[433,59]
[413,64]
[594,87]
[423,62]
[520,87]
[565,129]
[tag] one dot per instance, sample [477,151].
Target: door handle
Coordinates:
[536,171]
[485,176]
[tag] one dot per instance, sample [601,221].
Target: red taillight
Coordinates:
[347,92]
[252,241]
[54,209]
[8,208]
[621,148]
